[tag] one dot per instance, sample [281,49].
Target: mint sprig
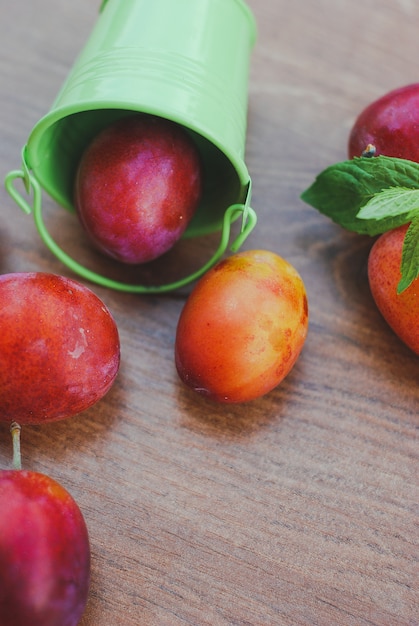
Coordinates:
[370,196]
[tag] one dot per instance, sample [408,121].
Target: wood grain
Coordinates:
[300,508]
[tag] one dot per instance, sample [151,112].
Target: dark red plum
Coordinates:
[137,187]
[388,126]
[59,348]
[44,552]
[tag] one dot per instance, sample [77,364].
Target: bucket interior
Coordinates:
[55,148]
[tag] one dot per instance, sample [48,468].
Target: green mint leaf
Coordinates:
[341,190]
[410,256]
[389,209]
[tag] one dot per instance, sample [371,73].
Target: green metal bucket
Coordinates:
[183,60]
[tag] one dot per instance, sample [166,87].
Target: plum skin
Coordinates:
[401,311]
[44,552]
[59,348]
[390,124]
[137,187]
[242,328]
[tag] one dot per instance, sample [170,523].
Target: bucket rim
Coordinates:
[56,115]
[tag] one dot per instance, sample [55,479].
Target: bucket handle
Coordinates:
[33,189]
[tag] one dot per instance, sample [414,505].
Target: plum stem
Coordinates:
[369,151]
[15,429]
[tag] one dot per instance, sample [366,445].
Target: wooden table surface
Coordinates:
[297,508]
